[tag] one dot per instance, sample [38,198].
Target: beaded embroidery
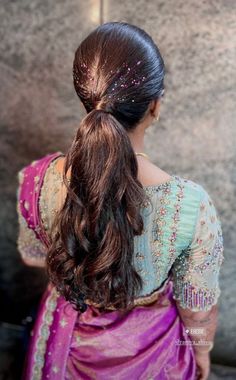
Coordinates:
[196,271]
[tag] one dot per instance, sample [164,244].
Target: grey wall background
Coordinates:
[195,137]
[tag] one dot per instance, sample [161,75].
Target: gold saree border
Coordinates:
[43,335]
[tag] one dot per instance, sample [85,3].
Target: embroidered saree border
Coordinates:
[43,335]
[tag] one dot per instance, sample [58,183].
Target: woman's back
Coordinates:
[179,217]
[182,237]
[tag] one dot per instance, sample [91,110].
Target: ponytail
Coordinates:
[91,252]
[92,239]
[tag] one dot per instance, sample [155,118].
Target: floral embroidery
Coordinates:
[212,261]
[196,271]
[142,260]
[176,218]
[161,227]
[28,245]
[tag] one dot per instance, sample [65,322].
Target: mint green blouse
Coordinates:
[182,238]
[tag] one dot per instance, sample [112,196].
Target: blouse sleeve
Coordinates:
[196,270]
[29,246]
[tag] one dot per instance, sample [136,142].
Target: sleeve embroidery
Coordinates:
[29,246]
[196,270]
[50,196]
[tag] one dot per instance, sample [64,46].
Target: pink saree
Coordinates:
[147,343]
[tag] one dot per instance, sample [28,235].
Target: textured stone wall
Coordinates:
[195,137]
[197,123]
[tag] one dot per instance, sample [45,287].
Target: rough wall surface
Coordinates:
[39,113]
[197,122]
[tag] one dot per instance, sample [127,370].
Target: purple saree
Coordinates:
[143,344]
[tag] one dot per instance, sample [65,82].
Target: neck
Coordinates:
[137,140]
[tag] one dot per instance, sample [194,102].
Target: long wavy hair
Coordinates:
[117,72]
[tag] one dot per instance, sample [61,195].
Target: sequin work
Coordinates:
[182,237]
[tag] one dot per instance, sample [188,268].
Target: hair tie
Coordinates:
[101,110]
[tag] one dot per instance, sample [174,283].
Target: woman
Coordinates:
[133,253]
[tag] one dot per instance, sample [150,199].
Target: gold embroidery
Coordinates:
[27,243]
[50,195]
[29,246]
[44,332]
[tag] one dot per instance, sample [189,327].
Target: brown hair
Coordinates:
[92,249]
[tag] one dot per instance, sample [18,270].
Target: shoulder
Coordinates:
[36,168]
[40,161]
[30,179]
[195,205]
[193,190]
[202,195]
[197,195]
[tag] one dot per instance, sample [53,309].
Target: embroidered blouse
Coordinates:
[182,237]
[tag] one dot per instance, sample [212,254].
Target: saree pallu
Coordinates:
[148,342]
